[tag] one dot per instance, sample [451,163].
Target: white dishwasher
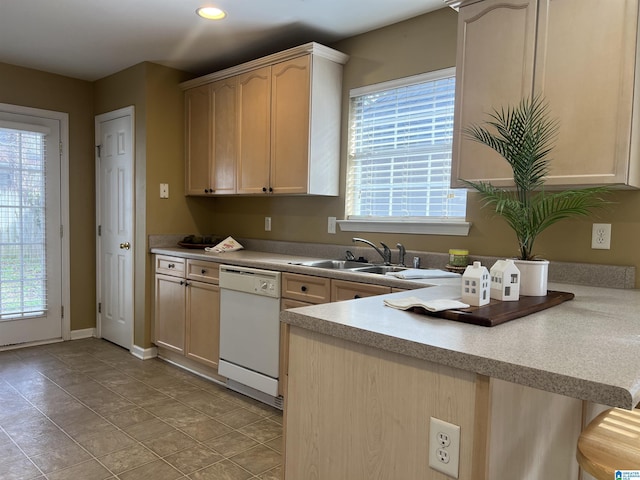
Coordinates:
[250,332]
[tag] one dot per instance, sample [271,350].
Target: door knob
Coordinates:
[125,246]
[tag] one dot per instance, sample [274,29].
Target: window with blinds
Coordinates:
[22,224]
[400,140]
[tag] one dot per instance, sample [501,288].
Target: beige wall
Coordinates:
[32,88]
[418,45]
[153,90]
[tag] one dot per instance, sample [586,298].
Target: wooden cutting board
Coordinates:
[497,312]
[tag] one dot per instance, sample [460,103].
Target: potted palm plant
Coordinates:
[523,135]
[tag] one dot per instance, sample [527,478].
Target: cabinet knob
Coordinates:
[303,288]
[182,282]
[357,296]
[270,190]
[203,271]
[264,189]
[206,190]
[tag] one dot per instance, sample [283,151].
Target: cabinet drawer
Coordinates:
[203,271]
[170,265]
[342,290]
[306,288]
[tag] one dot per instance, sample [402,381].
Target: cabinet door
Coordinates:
[224,136]
[254,120]
[343,290]
[198,140]
[203,323]
[585,67]
[170,312]
[290,103]
[496,43]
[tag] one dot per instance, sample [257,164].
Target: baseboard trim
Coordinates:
[83,333]
[144,353]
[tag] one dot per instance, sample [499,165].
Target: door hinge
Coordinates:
[62,311]
[61,231]
[60,146]
[99,307]
[99,150]
[99,230]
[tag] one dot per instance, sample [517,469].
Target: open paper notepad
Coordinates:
[430,305]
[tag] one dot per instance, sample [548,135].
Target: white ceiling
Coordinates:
[90,39]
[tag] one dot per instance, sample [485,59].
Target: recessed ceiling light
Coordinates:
[211,13]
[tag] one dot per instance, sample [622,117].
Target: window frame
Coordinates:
[412,225]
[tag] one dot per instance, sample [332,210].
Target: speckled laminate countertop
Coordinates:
[587,348]
[287,263]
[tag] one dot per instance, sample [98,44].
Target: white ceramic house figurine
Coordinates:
[505,281]
[476,285]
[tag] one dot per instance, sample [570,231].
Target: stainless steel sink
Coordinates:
[380,269]
[352,266]
[335,264]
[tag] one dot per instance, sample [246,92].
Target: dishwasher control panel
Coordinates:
[250,280]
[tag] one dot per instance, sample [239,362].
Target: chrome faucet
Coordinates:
[385,254]
[401,253]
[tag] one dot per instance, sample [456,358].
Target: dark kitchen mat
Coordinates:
[497,312]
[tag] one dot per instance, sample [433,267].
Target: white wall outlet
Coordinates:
[444,447]
[601,236]
[164,190]
[267,224]
[331,225]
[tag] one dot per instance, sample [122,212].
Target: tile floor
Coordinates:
[87,409]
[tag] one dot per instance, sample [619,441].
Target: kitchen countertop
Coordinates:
[286,263]
[586,348]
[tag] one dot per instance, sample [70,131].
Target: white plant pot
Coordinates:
[533,277]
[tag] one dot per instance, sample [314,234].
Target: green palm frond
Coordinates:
[524,135]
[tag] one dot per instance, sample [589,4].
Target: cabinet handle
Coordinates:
[171,265]
[203,271]
[303,288]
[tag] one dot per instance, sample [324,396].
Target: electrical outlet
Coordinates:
[267,224]
[444,447]
[164,190]
[601,236]
[331,225]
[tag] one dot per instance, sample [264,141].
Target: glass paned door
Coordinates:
[23,259]
[30,245]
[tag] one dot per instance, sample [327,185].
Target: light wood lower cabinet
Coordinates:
[368,412]
[187,309]
[344,290]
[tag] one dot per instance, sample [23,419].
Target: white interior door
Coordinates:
[114,132]
[31,275]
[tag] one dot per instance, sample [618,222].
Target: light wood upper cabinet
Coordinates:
[198,139]
[287,122]
[581,55]
[290,110]
[210,131]
[224,104]
[254,112]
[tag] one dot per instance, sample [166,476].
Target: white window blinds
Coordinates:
[22,223]
[401,135]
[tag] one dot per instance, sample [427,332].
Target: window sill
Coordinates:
[429,227]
